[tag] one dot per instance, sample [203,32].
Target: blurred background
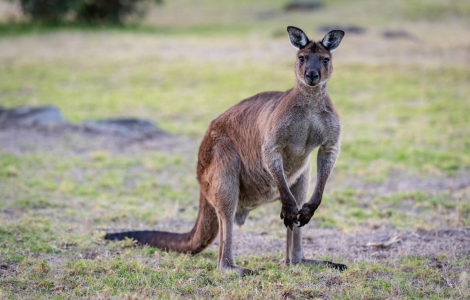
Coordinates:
[401,85]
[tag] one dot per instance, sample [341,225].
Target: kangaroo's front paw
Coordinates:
[304,215]
[289,214]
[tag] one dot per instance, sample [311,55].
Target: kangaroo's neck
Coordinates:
[314,95]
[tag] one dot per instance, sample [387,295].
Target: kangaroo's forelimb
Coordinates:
[326,159]
[273,160]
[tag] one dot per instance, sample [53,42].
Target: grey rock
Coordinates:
[31,116]
[126,127]
[303,5]
[397,34]
[382,239]
[351,29]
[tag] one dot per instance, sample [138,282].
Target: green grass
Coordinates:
[24,28]
[148,273]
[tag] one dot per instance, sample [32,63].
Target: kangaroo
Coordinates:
[257,152]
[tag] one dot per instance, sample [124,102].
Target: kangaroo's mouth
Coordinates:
[311,83]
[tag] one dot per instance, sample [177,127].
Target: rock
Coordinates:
[396,34]
[31,116]
[130,128]
[49,118]
[351,29]
[382,239]
[303,5]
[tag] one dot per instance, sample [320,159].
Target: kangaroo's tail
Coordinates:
[200,237]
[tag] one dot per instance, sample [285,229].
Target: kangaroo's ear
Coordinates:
[297,37]
[332,39]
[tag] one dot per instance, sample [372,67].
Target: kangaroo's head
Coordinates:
[314,64]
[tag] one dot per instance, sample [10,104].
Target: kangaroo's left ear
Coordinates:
[332,39]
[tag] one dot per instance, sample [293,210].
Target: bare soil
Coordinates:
[69,139]
[353,246]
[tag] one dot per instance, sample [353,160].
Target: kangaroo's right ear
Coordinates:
[297,37]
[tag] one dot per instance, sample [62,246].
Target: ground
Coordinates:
[403,173]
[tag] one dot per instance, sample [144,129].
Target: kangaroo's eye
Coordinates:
[325,61]
[301,58]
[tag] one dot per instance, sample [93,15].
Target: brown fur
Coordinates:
[258,151]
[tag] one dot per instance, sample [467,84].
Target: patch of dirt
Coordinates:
[72,139]
[353,247]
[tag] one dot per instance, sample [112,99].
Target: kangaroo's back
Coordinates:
[243,124]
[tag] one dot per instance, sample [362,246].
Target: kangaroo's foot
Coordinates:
[240,271]
[329,264]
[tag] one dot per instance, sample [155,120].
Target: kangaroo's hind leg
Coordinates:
[226,259]
[294,251]
[222,193]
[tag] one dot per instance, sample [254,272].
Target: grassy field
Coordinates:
[403,169]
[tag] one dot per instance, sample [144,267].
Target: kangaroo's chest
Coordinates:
[305,137]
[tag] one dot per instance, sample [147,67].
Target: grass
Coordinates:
[146,272]
[403,119]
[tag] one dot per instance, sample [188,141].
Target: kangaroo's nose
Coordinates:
[312,77]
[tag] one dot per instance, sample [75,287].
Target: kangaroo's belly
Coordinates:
[257,188]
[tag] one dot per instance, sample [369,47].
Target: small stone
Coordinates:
[396,34]
[303,5]
[31,116]
[382,238]
[350,29]
[12,171]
